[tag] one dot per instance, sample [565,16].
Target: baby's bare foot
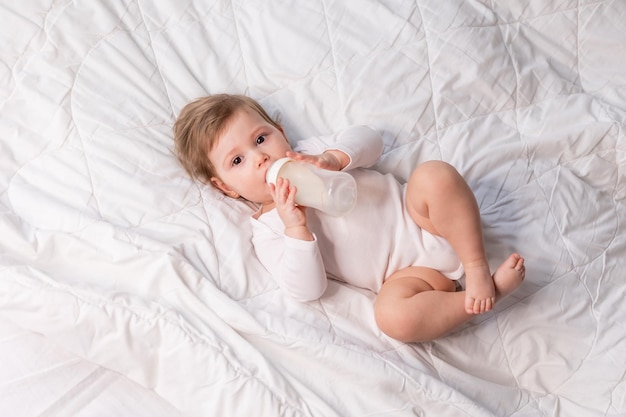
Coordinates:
[480,292]
[509,275]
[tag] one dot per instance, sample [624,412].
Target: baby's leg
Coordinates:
[440,201]
[419,304]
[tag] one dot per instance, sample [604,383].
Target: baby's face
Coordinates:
[243,153]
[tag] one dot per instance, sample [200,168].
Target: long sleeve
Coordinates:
[362,144]
[295,264]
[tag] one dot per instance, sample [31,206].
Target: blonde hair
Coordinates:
[199,126]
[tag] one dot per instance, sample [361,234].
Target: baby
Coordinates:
[406,242]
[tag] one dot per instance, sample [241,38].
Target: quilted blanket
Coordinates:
[113,258]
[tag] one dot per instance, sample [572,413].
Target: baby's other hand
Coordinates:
[292,215]
[333,160]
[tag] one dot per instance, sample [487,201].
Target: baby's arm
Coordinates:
[294,259]
[332,159]
[295,264]
[353,147]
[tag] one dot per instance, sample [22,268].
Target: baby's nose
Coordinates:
[262,158]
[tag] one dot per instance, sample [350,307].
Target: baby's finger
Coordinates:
[284,188]
[311,159]
[296,155]
[277,190]
[291,196]
[272,189]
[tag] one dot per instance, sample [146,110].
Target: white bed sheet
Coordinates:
[38,378]
[113,261]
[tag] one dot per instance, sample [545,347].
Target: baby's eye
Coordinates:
[237,160]
[260,139]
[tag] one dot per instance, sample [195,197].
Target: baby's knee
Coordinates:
[396,323]
[435,175]
[437,170]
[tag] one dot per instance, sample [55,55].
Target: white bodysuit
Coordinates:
[365,246]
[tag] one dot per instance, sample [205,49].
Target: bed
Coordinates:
[128,289]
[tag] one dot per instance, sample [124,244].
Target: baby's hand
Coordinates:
[333,160]
[292,215]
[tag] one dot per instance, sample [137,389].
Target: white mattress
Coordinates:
[124,283]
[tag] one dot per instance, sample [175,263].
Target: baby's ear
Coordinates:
[223,187]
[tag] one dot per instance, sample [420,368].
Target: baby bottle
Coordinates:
[333,192]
